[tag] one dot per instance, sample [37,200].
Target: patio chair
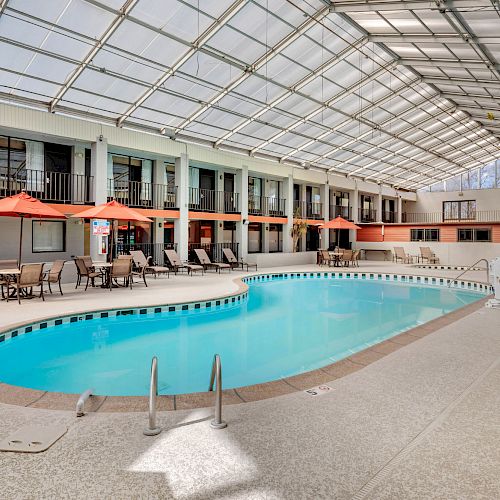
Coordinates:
[142,266]
[233,261]
[205,261]
[326,258]
[88,261]
[8,264]
[427,254]
[121,269]
[175,264]
[401,255]
[54,275]
[86,272]
[346,258]
[31,276]
[355,257]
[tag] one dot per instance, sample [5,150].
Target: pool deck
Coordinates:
[416,420]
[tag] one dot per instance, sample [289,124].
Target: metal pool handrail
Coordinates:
[81,402]
[469,268]
[152,429]
[216,376]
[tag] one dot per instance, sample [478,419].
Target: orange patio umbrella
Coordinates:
[112,211]
[26,207]
[339,223]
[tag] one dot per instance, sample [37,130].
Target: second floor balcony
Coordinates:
[389,217]
[266,205]
[52,187]
[208,200]
[340,211]
[367,215]
[308,209]
[440,217]
[138,194]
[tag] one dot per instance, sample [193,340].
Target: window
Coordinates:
[474,234]
[459,210]
[254,237]
[49,236]
[275,238]
[424,235]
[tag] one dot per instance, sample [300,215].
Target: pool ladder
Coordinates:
[469,268]
[215,378]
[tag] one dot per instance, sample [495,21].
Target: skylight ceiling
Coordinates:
[401,92]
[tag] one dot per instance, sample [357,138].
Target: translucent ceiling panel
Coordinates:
[237,45]
[212,70]
[297,105]
[260,131]
[283,71]
[186,87]
[74,96]
[240,104]
[97,20]
[162,118]
[212,116]
[258,89]
[238,139]
[163,101]
[321,89]
[51,11]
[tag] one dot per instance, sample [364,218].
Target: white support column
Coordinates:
[219,187]
[303,208]
[379,205]
[181,225]
[288,195]
[99,171]
[241,228]
[399,209]
[78,181]
[265,226]
[355,204]
[325,198]
[158,179]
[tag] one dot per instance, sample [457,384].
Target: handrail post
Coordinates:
[152,429]
[216,376]
[469,268]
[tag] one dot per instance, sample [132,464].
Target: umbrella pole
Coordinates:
[20,243]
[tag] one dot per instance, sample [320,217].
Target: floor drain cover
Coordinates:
[33,438]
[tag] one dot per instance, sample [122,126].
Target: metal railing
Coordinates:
[308,209]
[152,429]
[440,217]
[367,215]
[216,376]
[208,200]
[137,194]
[266,205]
[469,268]
[340,211]
[80,404]
[154,250]
[214,250]
[389,217]
[53,187]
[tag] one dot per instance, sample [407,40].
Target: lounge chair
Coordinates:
[175,264]
[233,261]
[54,275]
[142,267]
[427,254]
[31,276]
[400,254]
[205,261]
[86,272]
[121,269]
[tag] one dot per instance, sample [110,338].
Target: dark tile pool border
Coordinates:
[21,396]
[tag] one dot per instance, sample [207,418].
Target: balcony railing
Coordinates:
[53,187]
[340,211]
[154,250]
[214,250]
[389,217]
[138,194]
[367,215]
[439,217]
[308,209]
[208,200]
[266,205]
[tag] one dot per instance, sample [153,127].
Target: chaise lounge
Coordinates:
[175,264]
[205,261]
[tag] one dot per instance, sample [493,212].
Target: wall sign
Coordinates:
[100,228]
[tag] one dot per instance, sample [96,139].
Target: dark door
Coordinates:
[229,200]
[57,173]
[207,186]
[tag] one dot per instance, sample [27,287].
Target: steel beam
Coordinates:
[351,7]
[430,38]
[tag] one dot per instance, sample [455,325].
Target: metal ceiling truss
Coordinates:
[351,7]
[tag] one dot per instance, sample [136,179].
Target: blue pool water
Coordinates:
[284,328]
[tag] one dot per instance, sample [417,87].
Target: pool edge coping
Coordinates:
[33,398]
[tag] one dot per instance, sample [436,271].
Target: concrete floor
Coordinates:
[422,422]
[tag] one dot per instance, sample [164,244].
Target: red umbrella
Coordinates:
[112,211]
[339,223]
[26,207]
